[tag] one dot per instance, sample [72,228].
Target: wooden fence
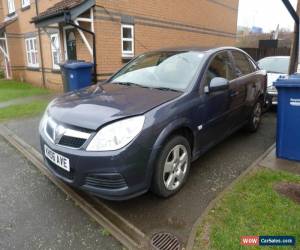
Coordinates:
[258,53]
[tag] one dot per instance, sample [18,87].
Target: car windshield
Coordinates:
[162,70]
[275,64]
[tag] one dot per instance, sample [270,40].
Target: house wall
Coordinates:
[157,24]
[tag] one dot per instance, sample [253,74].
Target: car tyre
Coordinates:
[255,118]
[172,167]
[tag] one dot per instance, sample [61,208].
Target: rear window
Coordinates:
[243,66]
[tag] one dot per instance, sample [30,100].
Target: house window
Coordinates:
[31,52]
[55,51]
[127,39]
[11,6]
[25,3]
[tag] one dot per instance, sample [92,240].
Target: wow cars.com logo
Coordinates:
[268,241]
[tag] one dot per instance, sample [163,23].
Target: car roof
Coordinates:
[209,50]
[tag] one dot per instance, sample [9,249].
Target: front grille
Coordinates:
[60,171]
[72,142]
[115,181]
[66,136]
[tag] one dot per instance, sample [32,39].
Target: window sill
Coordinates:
[11,14]
[25,8]
[127,58]
[56,71]
[33,68]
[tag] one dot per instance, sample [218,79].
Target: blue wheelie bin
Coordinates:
[288,118]
[76,75]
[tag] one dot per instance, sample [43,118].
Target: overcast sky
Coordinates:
[265,13]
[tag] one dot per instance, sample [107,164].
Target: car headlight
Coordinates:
[45,117]
[117,135]
[43,121]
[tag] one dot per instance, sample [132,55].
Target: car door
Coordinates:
[216,105]
[242,86]
[245,83]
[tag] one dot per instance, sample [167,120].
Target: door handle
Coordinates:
[234,93]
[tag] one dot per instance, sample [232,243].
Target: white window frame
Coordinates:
[11,6]
[25,3]
[32,52]
[126,53]
[55,49]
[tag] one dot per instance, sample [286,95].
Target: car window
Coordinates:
[220,66]
[275,64]
[243,66]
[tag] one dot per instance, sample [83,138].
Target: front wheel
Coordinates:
[172,167]
[255,118]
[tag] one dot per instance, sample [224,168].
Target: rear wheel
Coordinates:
[255,118]
[172,168]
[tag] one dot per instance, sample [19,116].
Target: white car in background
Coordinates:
[276,67]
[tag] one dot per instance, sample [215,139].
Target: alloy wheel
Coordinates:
[257,114]
[175,167]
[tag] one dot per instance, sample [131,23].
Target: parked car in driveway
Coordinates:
[143,127]
[276,67]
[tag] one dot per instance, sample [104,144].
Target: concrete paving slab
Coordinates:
[27,129]
[35,215]
[271,161]
[210,175]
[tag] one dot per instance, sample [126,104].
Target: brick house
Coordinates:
[35,35]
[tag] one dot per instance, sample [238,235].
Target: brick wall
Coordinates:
[157,24]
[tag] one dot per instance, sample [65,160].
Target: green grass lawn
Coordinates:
[12,89]
[251,208]
[23,110]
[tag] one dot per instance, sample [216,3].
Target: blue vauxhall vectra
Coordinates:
[142,128]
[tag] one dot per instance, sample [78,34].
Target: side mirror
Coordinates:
[217,84]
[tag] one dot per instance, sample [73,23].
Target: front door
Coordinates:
[216,105]
[71,44]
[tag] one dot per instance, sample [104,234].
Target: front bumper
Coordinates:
[114,175]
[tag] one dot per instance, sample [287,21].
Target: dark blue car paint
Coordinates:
[208,118]
[106,103]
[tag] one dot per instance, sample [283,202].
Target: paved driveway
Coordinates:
[34,214]
[210,175]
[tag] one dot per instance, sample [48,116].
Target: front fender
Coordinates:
[162,137]
[168,130]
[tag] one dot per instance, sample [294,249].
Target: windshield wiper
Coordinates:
[133,84]
[147,87]
[166,89]
[128,84]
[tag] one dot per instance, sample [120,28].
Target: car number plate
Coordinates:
[57,159]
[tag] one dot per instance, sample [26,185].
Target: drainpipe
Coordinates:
[295,48]
[41,47]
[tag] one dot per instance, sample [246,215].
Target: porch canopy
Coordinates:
[62,12]
[4,44]
[71,13]
[7,22]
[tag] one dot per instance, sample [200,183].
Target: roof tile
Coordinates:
[58,8]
